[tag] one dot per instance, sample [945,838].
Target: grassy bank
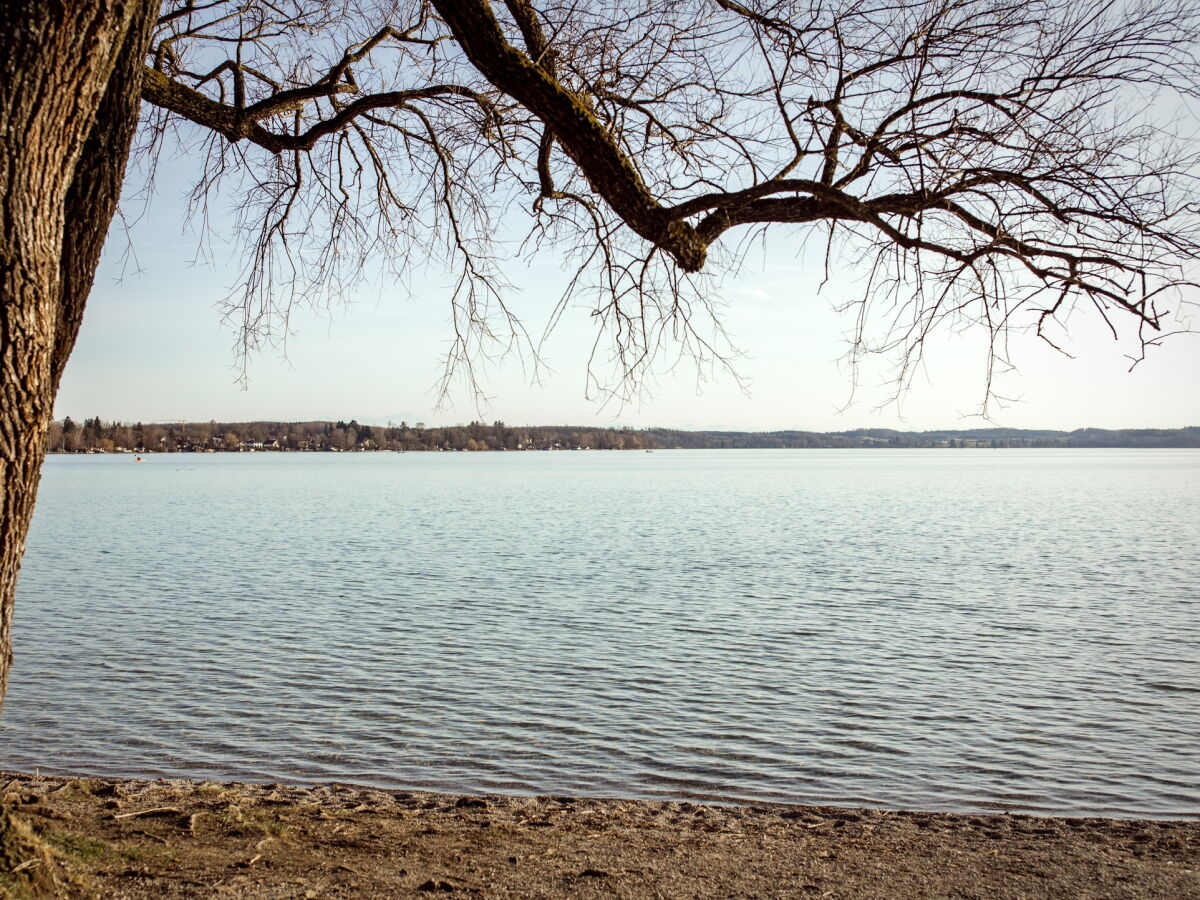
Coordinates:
[168,839]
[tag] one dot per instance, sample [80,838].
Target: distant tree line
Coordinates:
[97,436]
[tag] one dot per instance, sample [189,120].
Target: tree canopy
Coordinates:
[990,163]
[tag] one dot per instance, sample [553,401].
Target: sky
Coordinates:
[153,348]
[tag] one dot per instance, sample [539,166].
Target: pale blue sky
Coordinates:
[152,348]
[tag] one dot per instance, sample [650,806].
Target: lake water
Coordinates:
[945,629]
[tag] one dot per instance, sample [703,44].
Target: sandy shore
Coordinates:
[166,839]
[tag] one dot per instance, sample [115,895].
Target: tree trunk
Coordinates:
[70,78]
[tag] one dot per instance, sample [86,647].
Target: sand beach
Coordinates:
[170,838]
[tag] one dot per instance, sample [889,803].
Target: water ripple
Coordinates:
[950,630]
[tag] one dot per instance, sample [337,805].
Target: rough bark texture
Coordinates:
[64,97]
[56,76]
[96,187]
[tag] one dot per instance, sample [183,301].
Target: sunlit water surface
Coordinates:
[954,629]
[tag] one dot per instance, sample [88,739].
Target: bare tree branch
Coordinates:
[976,158]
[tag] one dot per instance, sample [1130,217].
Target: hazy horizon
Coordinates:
[153,348]
[411,421]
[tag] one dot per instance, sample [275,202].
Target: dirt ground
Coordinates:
[168,839]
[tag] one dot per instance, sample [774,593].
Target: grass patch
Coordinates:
[252,822]
[12,889]
[78,789]
[87,850]
[209,789]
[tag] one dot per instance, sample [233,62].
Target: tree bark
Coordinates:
[70,78]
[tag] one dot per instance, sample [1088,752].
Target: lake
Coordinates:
[964,630]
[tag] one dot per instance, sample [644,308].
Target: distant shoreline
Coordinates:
[96,436]
[139,452]
[165,839]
